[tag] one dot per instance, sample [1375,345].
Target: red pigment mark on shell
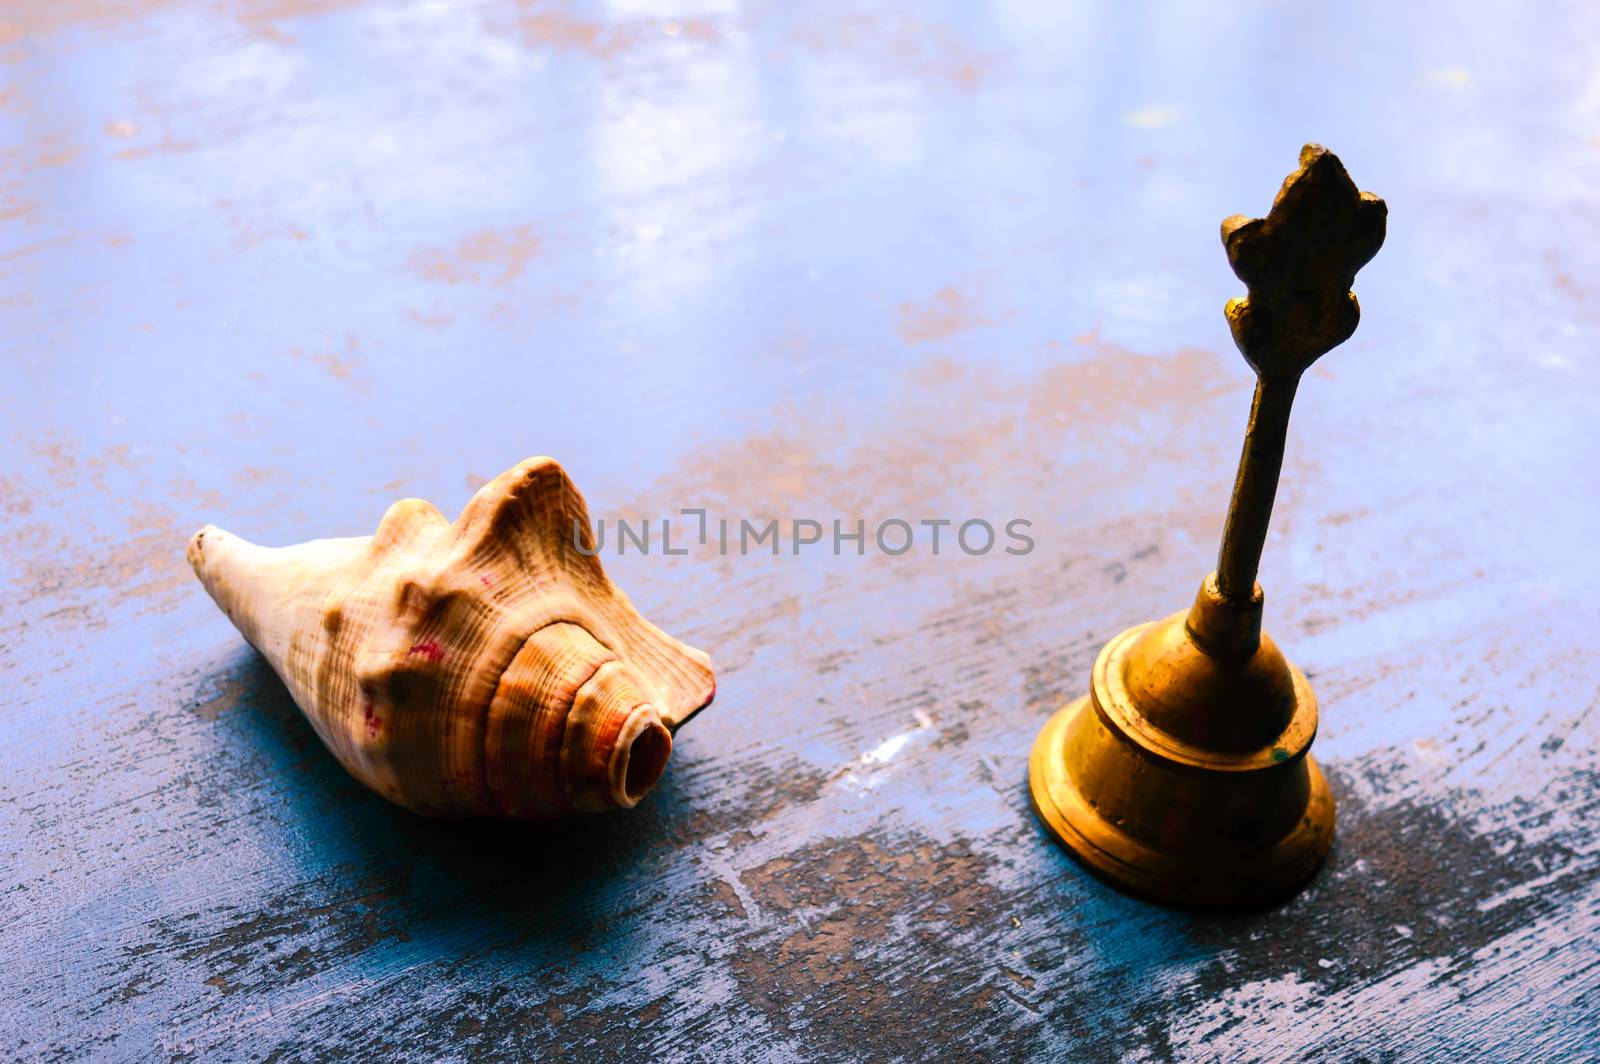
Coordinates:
[373,721]
[486,581]
[428,649]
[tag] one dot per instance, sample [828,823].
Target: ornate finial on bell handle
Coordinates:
[1185,774]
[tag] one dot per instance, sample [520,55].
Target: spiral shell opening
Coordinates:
[641,756]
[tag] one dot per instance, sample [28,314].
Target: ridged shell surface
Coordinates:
[484,666]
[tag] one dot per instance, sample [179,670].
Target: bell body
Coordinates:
[1185,774]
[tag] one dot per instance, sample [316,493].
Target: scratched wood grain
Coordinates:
[276,263]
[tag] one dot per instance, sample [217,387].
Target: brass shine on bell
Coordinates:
[1185,774]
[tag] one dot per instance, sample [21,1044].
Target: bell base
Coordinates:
[1212,881]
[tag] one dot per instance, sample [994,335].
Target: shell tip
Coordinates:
[196,551]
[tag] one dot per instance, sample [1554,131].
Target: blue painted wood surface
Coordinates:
[276,263]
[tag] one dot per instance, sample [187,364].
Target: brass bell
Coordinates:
[1185,774]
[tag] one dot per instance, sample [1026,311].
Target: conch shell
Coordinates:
[481,668]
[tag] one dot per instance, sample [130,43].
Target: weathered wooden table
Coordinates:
[276,263]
